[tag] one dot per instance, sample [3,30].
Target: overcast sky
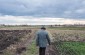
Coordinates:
[42,11]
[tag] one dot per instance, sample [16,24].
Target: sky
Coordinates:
[42,12]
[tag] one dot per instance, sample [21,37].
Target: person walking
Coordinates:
[42,40]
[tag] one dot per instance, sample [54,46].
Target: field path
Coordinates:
[49,49]
[28,40]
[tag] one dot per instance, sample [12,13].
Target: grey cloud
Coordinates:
[43,8]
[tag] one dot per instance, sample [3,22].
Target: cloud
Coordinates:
[44,8]
[16,20]
[80,11]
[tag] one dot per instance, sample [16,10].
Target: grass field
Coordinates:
[70,48]
[68,40]
[68,28]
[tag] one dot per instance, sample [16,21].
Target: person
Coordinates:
[42,40]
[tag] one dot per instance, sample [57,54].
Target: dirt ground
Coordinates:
[66,35]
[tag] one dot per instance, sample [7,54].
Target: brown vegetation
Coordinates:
[9,39]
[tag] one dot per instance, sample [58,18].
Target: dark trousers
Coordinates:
[42,50]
